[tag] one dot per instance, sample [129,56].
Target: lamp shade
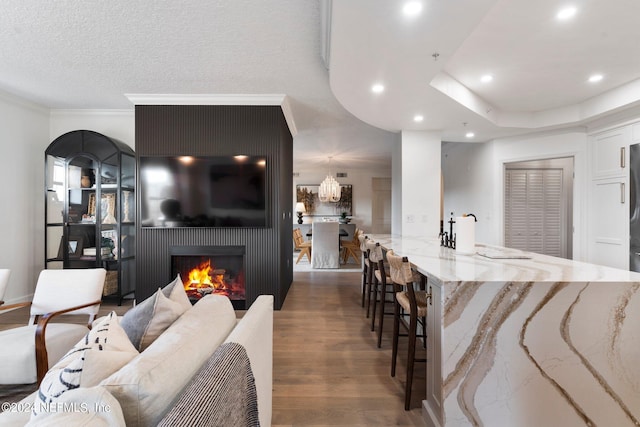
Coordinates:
[300,207]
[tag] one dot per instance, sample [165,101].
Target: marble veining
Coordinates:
[533,342]
[566,335]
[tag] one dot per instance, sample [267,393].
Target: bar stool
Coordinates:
[365,264]
[386,288]
[414,303]
[372,265]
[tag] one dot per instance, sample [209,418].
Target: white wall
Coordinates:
[396,189]
[421,163]
[24,135]
[360,179]
[474,180]
[118,124]
[26,130]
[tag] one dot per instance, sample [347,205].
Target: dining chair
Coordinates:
[26,352]
[325,245]
[351,248]
[413,303]
[300,244]
[4,281]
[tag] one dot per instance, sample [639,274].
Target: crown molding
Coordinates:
[92,112]
[224,99]
[23,103]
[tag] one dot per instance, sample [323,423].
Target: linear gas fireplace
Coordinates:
[211,270]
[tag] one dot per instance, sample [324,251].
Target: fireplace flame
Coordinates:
[205,279]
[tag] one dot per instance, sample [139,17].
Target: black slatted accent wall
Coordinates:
[203,130]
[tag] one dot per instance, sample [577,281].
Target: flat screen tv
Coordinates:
[186,191]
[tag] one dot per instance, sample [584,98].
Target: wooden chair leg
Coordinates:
[413,323]
[375,302]
[350,253]
[364,282]
[383,304]
[369,282]
[304,251]
[396,334]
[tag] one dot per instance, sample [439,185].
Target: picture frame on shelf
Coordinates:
[74,248]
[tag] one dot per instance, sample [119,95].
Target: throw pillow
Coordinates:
[147,320]
[103,351]
[175,292]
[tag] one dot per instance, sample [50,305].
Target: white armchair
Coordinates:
[27,352]
[4,280]
[325,245]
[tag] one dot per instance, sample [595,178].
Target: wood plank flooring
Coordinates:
[327,368]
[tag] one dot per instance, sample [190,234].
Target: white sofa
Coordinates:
[144,390]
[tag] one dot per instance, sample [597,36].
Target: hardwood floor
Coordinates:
[327,368]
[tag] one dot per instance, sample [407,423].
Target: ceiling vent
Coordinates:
[341,175]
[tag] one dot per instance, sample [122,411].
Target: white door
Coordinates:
[381,205]
[538,206]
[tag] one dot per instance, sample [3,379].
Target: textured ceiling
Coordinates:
[68,54]
[89,54]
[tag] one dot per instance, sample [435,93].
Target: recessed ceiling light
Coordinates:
[486,78]
[470,134]
[418,118]
[566,13]
[595,78]
[377,88]
[412,8]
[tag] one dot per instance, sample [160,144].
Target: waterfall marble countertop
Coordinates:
[534,341]
[430,258]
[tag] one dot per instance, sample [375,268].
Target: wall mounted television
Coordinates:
[217,191]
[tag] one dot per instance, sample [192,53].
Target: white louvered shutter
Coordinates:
[534,210]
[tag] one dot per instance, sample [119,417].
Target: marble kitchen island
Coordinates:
[542,341]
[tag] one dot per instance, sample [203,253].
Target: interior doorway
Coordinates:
[538,206]
[381,205]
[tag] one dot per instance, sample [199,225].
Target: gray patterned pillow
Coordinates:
[104,350]
[147,320]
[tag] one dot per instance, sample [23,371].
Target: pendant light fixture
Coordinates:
[329,189]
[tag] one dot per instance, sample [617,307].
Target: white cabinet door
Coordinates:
[609,152]
[610,223]
[434,403]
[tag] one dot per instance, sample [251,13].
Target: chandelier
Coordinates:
[329,190]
